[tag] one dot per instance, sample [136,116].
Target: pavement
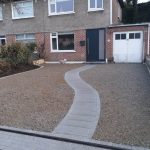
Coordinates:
[12,141]
[83,116]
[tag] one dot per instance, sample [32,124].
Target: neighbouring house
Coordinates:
[73,30]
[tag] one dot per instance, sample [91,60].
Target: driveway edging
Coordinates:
[1,78]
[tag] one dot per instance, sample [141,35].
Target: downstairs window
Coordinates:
[62,42]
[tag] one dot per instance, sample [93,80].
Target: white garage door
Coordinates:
[127,47]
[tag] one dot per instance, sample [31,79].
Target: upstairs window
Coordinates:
[61,7]
[94,5]
[23,9]
[1,13]
[26,38]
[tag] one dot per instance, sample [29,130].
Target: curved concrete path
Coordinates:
[82,118]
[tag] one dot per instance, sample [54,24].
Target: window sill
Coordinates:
[91,10]
[23,18]
[64,13]
[63,51]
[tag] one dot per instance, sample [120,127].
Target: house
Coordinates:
[74,30]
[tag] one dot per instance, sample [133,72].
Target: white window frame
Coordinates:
[24,37]
[3,38]
[95,9]
[2,13]
[13,17]
[58,13]
[56,36]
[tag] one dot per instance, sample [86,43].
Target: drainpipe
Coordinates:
[110,12]
[148,49]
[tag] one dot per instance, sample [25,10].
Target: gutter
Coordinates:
[129,25]
[148,48]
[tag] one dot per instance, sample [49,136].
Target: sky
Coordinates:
[141,1]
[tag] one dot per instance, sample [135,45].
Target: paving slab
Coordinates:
[83,116]
[12,141]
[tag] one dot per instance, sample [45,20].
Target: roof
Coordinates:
[121,3]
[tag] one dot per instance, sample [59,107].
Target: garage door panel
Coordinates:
[135,47]
[121,48]
[127,47]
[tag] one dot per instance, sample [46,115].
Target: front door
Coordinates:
[95,45]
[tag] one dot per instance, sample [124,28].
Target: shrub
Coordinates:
[17,53]
[31,47]
[5,66]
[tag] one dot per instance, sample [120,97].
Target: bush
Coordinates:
[17,53]
[4,66]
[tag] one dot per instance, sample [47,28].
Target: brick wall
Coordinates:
[109,37]
[78,55]
[43,42]
[10,39]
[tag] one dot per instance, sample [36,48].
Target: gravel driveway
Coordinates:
[37,99]
[125,102]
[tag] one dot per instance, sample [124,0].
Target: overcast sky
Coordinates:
[140,1]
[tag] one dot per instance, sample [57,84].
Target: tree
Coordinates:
[136,13]
[130,11]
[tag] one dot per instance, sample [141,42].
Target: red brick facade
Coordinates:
[10,39]
[78,55]
[43,41]
[111,30]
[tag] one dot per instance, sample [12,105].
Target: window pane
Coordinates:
[66,42]
[137,35]
[123,36]
[3,41]
[30,36]
[20,37]
[1,15]
[21,10]
[131,36]
[92,3]
[54,43]
[52,8]
[64,5]
[54,34]
[2,36]
[117,36]
[99,4]
[26,38]
[27,4]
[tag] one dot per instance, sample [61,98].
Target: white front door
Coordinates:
[127,46]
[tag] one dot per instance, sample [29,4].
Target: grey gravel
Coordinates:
[125,103]
[36,100]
